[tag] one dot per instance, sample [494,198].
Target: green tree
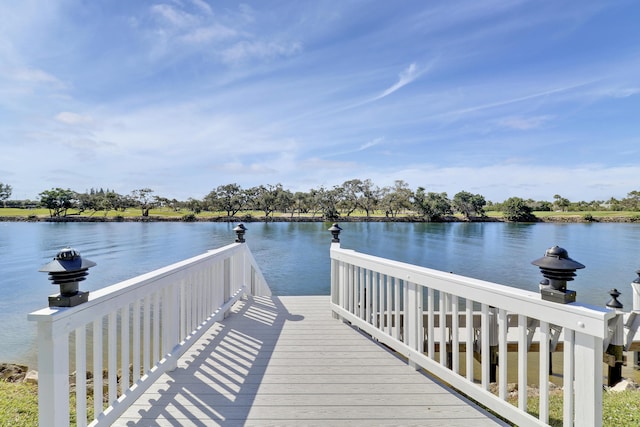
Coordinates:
[632,201]
[144,199]
[517,210]
[302,203]
[431,206]
[351,192]
[326,202]
[5,193]
[230,198]
[369,198]
[270,198]
[397,198]
[469,205]
[194,205]
[58,201]
[560,203]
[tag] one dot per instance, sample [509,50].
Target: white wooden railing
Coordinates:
[134,331]
[418,311]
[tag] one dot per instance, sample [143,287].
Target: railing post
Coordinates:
[635,286]
[588,380]
[53,374]
[614,352]
[335,268]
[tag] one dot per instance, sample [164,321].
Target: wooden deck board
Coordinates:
[285,361]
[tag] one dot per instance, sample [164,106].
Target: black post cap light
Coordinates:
[335,232]
[67,269]
[240,229]
[557,269]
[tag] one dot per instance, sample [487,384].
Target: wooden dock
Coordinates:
[285,361]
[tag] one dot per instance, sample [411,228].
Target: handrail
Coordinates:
[140,325]
[416,311]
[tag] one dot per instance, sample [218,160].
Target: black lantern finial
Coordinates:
[613,302]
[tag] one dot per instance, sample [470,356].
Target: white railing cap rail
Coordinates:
[580,317]
[102,301]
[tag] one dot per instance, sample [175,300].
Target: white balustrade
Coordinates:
[142,324]
[420,312]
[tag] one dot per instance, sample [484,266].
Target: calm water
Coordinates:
[295,259]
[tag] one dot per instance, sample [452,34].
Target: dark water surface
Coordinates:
[295,257]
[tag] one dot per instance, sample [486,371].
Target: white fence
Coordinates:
[419,311]
[134,331]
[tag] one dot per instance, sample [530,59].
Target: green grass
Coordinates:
[618,408]
[19,405]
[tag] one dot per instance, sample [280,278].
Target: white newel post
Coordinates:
[53,373]
[587,386]
[635,288]
[337,277]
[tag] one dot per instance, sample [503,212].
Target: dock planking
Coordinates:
[285,361]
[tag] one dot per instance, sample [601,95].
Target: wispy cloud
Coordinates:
[411,73]
[524,123]
[370,144]
[73,118]
[246,50]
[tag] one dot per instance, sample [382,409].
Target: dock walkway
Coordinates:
[285,361]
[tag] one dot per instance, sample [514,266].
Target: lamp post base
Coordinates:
[561,297]
[68,300]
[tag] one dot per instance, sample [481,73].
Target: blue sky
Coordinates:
[502,98]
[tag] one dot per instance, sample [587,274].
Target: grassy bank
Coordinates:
[184,215]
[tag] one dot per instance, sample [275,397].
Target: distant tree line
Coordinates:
[355,195]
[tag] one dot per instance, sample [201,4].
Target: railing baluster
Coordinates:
[469,340]
[183,308]
[124,346]
[97,367]
[455,338]
[81,376]
[431,324]
[373,299]
[522,362]
[156,328]
[362,286]
[389,308]
[502,353]
[146,335]
[420,319]
[112,359]
[543,385]
[407,327]
[396,308]
[443,328]
[136,342]
[485,350]
[568,370]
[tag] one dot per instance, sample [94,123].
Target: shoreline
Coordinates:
[569,218]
